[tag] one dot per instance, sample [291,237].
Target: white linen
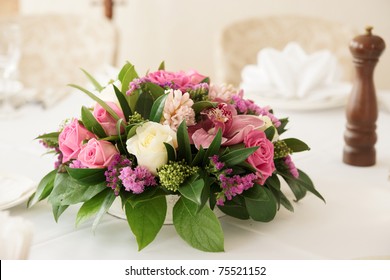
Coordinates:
[353,224]
[294,75]
[15,237]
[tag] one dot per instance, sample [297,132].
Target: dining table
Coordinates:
[352,224]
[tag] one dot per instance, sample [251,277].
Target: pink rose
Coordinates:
[106,120]
[97,154]
[71,139]
[263,158]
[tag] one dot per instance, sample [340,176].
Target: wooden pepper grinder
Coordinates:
[362,108]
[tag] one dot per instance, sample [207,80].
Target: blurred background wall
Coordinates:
[185,33]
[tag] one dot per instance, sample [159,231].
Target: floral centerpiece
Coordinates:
[172,133]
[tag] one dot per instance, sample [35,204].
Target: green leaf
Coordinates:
[154,90]
[58,210]
[285,202]
[298,190]
[202,105]
[198,157]
[94,82]
[146,219]
[87,176]
[91,123]
[262,210]
[121,145]
[237,156]
[192,189]
[184,147]
[68,191]
[162,65]
[144,104]
[257,193]
[129,75]
[98,100]
[214,147]
[158,108]
[296,145]
[132,99]
[96,206]
[123,103]
[148,194]
[282,127]
[306,182]
[52,136]
[123,71]
[44,188]
[270,132]
[235,208]
[202,231]
[170,151]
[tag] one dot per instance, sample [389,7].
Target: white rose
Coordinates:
[148,145]
[268,123]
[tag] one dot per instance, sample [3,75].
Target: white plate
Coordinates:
[14,190]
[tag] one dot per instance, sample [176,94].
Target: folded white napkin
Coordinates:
[293,74]
[14,188]
[15,237]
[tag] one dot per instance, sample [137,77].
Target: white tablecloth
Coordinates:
[353,224]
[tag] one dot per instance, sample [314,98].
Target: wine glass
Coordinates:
[10,40]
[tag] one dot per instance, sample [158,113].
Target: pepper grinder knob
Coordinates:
[362,108]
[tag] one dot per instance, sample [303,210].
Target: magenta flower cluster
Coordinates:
[230,185]
[134,180]
[247,106]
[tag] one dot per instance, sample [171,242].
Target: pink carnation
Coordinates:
[176,80]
